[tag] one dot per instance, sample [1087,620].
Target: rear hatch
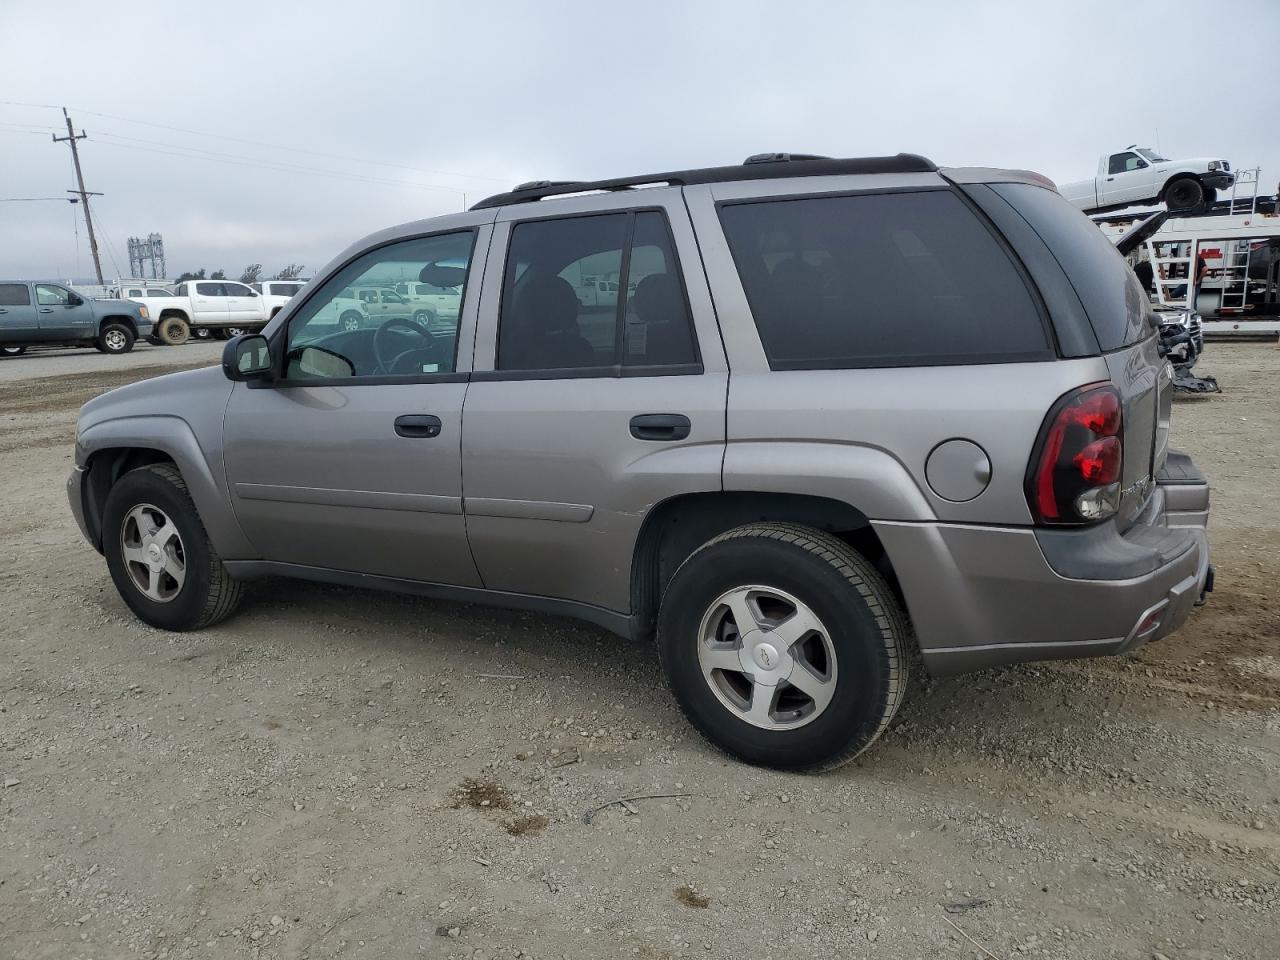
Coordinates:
[1120,323]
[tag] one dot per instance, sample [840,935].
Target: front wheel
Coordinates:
[115,338]
[1185,193]
[784,646]
[159,555]
[12,351]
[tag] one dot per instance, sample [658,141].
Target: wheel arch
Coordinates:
[174,312]
[674,528]
[111,449]
[1182,175]
[122,318]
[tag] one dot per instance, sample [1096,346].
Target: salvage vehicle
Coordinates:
[42,314]
[1138,175]
[946,431]
[276,293]
[221,308]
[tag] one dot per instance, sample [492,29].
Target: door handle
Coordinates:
[1110,178]
[418,426]
[660,426]
[46,309]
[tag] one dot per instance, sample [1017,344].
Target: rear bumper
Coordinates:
[987,596]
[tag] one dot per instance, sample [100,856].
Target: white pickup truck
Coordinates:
[221,308]
[1138,175]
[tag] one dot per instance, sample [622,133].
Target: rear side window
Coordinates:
[880,280]
[14,295]
[599,293]
[1111,294]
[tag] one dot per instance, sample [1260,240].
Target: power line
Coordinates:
[33,199]
[261,143]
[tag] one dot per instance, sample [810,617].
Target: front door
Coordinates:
[581,417]
[242,303]
[351,459]
[63,315]
[1129,179]
[17,314]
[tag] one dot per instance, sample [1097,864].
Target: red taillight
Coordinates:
[1075,473]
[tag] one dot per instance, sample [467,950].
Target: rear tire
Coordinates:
[351,321]
[174,331]
[115,338]
[1184,193]
[201,333]
[825,645]
[12,351]
[192,588]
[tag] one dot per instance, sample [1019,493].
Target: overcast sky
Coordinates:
[256,132]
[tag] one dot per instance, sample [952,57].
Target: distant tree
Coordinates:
[291,272]
[198,275]
[252,273]
[218,275]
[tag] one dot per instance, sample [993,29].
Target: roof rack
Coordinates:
[761,166]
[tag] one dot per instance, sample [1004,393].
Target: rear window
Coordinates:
[1112,296]
[879,280]
[14,295]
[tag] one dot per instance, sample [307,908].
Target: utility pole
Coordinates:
[71,138]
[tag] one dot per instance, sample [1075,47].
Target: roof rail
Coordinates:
[761,166]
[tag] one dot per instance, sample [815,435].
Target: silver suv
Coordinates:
[841,411]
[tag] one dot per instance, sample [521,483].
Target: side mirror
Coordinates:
[76,300]
[247,357]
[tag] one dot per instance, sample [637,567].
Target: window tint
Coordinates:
[159,293]
[334,335]
[14,295]
[237,290]
[593,292]
[552,316]
[1112,296]
[49,295]
[1120,162]
[890,279]
[658,331]
[210,290]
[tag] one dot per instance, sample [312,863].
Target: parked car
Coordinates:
[1138,175]
[339,312]
[384,303]
[220,308]
[432,305]
[946,429]
[34,314]
[276,293]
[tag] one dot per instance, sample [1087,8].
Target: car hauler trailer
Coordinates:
[1238,291]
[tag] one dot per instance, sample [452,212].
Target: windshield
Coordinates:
[1151,155]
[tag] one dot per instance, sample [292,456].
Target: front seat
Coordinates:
[543,329]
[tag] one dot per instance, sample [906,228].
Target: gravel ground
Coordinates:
[341,773]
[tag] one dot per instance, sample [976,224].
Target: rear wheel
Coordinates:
[12,351]
[202,333]
[784,646]
[159,555]
[351,320]
[234,332]
[115,338]
[174,331]
[1185,193]
[424,318]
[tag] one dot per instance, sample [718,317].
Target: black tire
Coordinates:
[424,317]
[12,351]
[173,331]
[1184,193]
[208,594]
[351,320]
[202,333]
[115,338]
[867,628]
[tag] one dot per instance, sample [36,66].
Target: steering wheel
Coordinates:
[381,345]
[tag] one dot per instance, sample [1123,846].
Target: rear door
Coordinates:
[581,418]
[61,317]
[209,302]
[17,313]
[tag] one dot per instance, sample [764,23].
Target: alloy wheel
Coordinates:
[767,657]
[153,553]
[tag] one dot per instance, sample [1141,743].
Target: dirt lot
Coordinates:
[339,773]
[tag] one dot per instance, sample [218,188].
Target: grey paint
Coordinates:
[958,470]
[534,492]
[42,323]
